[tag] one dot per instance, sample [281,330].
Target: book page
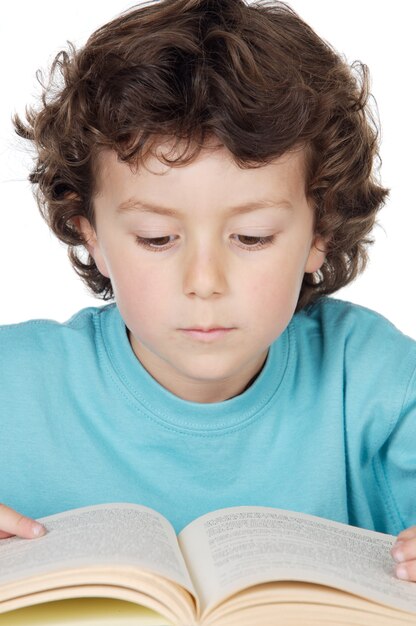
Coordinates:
[237,547]
[111,534]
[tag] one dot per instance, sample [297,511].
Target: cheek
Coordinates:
[274,294]
[141,302]
[140,292]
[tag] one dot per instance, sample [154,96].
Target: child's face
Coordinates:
[205,268]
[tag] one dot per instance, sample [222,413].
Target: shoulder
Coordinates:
[354,326]
[46,339]
[359,356]
[360,344]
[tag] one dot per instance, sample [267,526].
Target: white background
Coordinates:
[37,280]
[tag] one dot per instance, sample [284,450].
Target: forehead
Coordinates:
[212,174]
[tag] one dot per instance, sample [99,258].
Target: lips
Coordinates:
[207,335]
[208,330]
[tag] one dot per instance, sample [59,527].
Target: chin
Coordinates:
[205,374]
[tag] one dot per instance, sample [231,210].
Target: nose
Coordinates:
[204,272]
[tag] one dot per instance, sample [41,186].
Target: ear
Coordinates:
[89,235]
[317,255]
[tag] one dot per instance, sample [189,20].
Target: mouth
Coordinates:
[207,330]
[208,334]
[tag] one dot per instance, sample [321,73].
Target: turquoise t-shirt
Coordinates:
[328,427]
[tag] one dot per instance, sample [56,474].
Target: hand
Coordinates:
[12,523]
[404,553]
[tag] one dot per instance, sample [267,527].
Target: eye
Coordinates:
[256,242]
[157,244]
[153,243]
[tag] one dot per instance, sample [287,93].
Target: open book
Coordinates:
[240,566]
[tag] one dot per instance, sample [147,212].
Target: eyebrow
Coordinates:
[134,204]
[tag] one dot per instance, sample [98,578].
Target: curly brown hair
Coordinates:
[254,76]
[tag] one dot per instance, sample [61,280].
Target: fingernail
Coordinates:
[398,555]
[38,530]
[401,572]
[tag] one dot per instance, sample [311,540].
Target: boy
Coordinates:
[222,374]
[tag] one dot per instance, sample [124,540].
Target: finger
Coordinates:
[404,550]
[4,535]
[408,533]
[13,523]
[407,570]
